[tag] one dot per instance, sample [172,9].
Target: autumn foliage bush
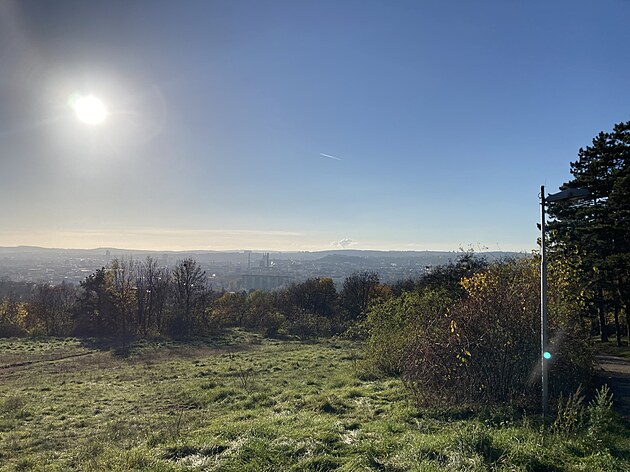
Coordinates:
[483,348]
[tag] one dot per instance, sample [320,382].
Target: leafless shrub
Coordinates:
[246,378]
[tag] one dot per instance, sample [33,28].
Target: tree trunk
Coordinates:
[617,325]
[601,313]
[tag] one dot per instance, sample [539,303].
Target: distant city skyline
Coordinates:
[232,270]
[287,125]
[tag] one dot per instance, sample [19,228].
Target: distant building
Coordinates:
[264,281]
[264,263]
[263,277]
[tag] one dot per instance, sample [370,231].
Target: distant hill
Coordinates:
[222,256]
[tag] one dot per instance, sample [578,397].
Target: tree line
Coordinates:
[130,299]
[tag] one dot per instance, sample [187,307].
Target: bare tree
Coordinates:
[358,289]
[53,306]
[152,283]
[160,290]
[189,283]
[122,289]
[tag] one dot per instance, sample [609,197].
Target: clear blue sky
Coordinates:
[445,119]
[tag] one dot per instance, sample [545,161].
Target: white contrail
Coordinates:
[330,157]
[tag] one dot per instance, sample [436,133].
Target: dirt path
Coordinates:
[615,371]
[43,361]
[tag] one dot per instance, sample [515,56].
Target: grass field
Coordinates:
[610,348]
[242,403]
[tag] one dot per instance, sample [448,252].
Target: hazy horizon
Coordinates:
[298,125]
[479,248]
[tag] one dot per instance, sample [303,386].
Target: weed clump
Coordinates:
[473,442]
[12,404]
[221,394]
[174,453]
[575,416]
[330,404]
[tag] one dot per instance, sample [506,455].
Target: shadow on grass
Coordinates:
[231,341]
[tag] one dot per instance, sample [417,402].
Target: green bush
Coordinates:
[308,324]
[481,349]
[600,413]
[392,324]
[10,330]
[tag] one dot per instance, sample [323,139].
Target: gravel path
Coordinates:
[615,371]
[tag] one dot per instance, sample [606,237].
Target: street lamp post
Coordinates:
[543,304]
[545,354]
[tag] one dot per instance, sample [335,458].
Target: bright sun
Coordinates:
[89,109]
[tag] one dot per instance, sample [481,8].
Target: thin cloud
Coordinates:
[331,157]
[344,243]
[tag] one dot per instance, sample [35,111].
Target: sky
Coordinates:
[310,125]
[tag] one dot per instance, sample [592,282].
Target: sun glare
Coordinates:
[89,109]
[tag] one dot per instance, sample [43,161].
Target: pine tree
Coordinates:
[594,234]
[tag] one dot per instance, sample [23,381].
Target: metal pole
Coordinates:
[543,304]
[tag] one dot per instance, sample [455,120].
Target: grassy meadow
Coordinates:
[244,403]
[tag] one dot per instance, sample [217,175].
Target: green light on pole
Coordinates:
[547,355]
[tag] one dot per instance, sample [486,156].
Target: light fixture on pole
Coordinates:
[545,354]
